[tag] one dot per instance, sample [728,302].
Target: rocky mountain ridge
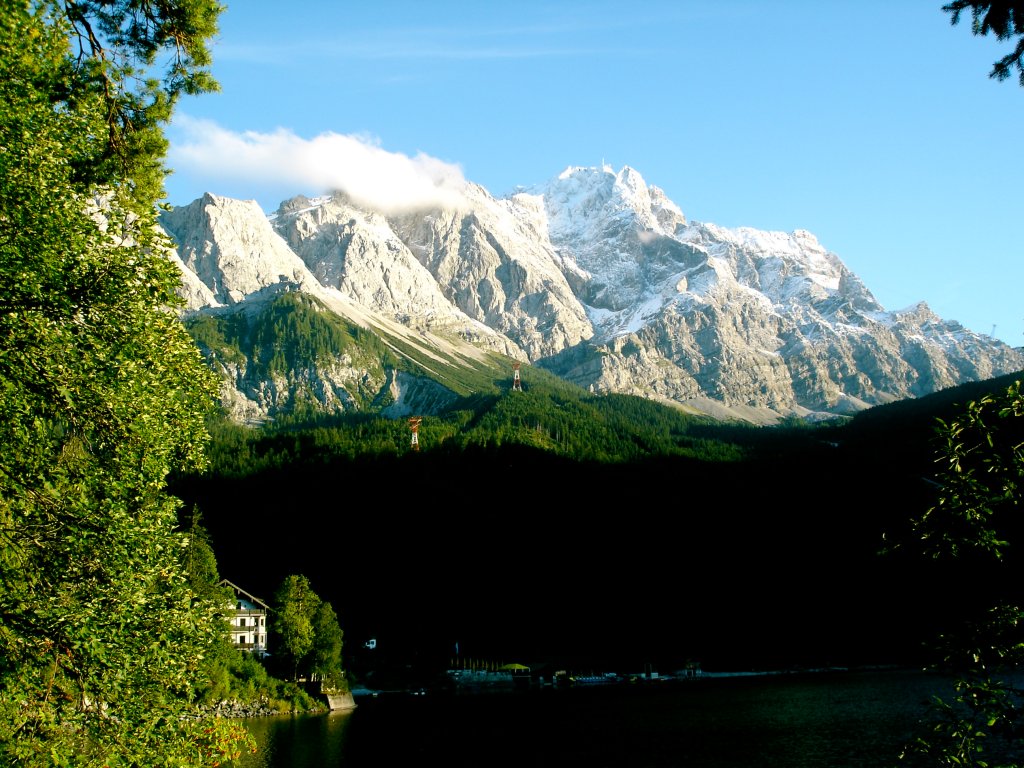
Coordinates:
[595,276]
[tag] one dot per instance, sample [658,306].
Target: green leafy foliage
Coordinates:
[116,50]
[102,395]
[974,524]
[231,674]
[295,607]
[983,459]
[326,664]
[306,633]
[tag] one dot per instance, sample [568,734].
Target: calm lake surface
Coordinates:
[822,720]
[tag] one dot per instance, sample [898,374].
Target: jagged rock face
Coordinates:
[443,268]
[229,247]
[254,399]
[358,253]
[768,321]
[339,386]
[599,278]
[616,230]
[415,394]
[494,262]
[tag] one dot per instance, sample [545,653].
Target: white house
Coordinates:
[248,620]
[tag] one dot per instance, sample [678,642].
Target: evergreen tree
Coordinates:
[1005,20]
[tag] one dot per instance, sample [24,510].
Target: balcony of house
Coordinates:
[249,643]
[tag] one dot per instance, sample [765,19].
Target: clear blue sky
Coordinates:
[871,123]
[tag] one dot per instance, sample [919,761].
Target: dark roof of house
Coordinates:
[240,591]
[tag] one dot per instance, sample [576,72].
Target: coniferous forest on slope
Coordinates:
[551,525]
[540,527]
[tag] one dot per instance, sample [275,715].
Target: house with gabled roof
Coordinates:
[248,620]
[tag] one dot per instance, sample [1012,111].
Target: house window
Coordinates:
[241,639]
[241,622]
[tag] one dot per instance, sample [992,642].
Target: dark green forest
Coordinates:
[552,524]
[547,525]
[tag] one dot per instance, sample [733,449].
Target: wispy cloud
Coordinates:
[576,36]
[355,165]
[327,50]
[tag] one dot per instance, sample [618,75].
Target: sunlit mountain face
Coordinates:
[595,276]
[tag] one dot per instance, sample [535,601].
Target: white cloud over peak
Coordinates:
[355,165]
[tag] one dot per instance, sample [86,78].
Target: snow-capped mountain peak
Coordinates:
[598,276]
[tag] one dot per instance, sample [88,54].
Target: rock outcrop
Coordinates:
[595,276]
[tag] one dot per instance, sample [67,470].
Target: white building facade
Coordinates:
[248,621]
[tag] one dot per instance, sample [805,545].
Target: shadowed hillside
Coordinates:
[734,545]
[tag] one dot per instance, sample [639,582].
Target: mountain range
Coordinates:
[595,276]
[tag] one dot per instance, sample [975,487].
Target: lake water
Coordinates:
[823,720]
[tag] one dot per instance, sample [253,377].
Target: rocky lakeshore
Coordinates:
[234,708]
